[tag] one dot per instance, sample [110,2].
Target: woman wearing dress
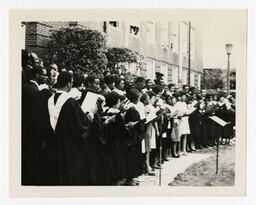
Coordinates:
[175,134]
[184,125]
[148,136]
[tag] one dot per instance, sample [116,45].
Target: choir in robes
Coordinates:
[109,133]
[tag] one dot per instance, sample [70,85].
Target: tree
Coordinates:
[78,49]
[117,57]
[212,79]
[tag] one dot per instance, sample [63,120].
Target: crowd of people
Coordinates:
[133,128]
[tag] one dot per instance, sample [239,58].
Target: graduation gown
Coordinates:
[69,149]
[116,146]
[30,143]
[133,142]
[101,169]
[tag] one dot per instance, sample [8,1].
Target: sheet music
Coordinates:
[219,120]
[150,117]
[89,103]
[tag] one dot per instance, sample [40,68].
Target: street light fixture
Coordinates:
[229,47]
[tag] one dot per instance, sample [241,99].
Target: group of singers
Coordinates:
[130,129]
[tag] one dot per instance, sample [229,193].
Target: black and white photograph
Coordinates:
[131,102]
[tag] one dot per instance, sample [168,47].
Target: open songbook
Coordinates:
[151,117]
[219,121]
[90,102]
[191,110]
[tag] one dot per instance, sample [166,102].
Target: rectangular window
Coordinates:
[175,74]
[184,38]
[150,69]
[164,34]
[185,76]
[199,82]
[151,32]
[116,24]
[164,70]
[192,79]
[135,29]
[196,80]
[192,43]
[174,37]
[72,23]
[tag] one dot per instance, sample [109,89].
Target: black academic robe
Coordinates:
[199,127]
[30,143]
[134,156]
[101,169]
[115,151]
[45,136]
[208,128]
[70,147]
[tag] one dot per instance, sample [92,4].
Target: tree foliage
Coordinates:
[213,79]
[78,49]
[83,49]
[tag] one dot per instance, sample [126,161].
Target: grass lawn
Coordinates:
[203,173]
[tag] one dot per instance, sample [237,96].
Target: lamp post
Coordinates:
[229,47]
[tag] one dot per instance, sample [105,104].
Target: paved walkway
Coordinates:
[171,168]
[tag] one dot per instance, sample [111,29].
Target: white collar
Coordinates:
[32,81]
[61,91]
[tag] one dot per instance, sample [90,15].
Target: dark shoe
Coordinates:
[156,167]
[176,156]
[150,173]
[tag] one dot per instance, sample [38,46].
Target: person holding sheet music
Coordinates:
[70,145]
[184,125]
[191,119]
[134,116]
[149,135]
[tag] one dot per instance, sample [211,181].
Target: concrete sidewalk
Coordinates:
[171,169]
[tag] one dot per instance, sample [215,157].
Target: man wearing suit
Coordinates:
[30,95]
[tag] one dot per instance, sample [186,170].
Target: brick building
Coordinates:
[164,45]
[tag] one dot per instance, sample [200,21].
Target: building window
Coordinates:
[164,70]
[175,74]
[72,23]
[196,80]
[150,69]
[199,81]
[192,79]
[174,37]
[116,24]
[192,43]
[184,38]
[164,34]
[134,30]
[151,32]
[185,76]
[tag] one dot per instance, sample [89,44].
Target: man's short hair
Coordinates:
[109,79]
[157,89]
[171,85]
[112,99]
[133,94]
[158,74]
[63,79]
[91,79]
[139,80]
[78,80]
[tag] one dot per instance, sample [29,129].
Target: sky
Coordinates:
[216,31]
